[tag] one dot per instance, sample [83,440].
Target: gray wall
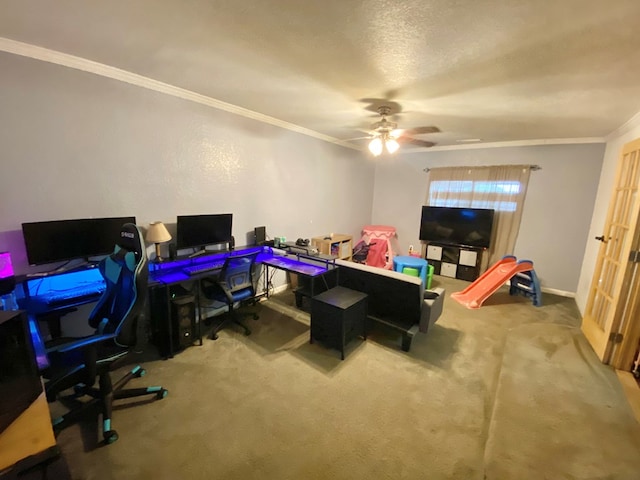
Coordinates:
[77,145]
[557,212]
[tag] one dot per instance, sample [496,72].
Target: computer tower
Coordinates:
[173,318]
[183,315]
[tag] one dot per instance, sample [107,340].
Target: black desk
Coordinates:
[170,303]
[165,280]
[166,275]
[310,266]
[74,287]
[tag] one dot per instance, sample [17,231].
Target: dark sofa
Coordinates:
[394,299]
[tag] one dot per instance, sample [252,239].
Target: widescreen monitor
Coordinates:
[198,231]
[457,226]
[59,240]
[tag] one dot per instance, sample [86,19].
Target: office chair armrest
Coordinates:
[80,343]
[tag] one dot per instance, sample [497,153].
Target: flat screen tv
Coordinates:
[198,231]
[457,226]
[59,240]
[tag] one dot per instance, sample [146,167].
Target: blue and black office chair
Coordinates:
[234,284]
[78,362]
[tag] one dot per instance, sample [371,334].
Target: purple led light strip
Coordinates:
[6,269]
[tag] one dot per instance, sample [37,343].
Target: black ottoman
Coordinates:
[337,316]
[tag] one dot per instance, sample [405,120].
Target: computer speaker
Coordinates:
[260,234]
[173,251]
[232,243]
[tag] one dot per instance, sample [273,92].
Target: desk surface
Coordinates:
[160,273]
[294,265]
[171,272]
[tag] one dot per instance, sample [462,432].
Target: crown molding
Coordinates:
[82,64]
[517,143]
[626,127]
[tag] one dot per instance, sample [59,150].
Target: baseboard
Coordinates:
[281,288]
[561,293]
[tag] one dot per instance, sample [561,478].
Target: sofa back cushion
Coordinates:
[392,295]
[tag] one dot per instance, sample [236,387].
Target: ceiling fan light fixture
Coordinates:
[375,146]
[385,136]
[392,145]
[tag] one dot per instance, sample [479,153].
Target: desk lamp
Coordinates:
[157,233]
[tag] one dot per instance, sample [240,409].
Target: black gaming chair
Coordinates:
[78,362]
[234,284]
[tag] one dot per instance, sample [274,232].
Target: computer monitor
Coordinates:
[198,231]
[59,240]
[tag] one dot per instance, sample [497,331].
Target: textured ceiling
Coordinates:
[497,70]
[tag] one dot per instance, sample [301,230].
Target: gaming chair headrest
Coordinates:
[131,239]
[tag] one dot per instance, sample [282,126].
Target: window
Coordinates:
[456,193]
[501,188]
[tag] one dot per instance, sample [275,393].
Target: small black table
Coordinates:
[337,316]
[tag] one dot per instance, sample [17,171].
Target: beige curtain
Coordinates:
[501,187]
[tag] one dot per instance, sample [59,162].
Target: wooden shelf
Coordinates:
[337,245]
[455,261]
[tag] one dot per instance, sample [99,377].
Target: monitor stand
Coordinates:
[198,253]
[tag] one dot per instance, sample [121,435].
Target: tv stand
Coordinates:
[455,261]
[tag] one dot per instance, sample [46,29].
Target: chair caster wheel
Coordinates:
[141,373]
[162,394]
[110,436]
[214,336]
[79,389]
[246,334]
[256,317]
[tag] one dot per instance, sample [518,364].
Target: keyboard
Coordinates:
[73,295]
[203,268]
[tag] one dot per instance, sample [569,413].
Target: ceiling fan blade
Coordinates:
[416,142]
[421,130]
[356,138]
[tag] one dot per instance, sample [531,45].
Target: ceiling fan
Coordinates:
[385,134]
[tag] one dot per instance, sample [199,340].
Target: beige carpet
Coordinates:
[551,387]
[273,406]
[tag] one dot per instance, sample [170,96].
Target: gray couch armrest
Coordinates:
[431,309]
